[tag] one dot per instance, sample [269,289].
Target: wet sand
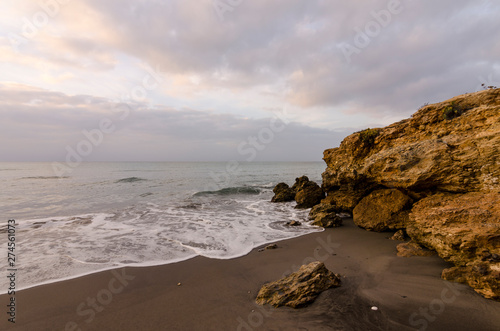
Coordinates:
[219,294]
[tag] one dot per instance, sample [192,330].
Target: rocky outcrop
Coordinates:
[465,230]
[305,192]
[325,215]
[283,193]
[446,160]
[299,288]
[383,210]
[308,195]
[425,153]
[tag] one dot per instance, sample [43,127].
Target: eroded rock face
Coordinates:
[325,215]
[383,210]
[283,193]
[427,152]
[299,288]
[446,158]
[463,229]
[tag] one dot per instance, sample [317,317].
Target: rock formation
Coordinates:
[325,215]
[383,210]
[299,288]
[463,229]
[305,192]
[283,193]
[445,160]
[308,194]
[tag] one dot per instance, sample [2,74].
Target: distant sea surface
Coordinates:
[107,215]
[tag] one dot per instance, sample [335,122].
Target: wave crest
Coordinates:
[230,191]
[130,180]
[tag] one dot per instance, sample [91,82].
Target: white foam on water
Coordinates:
[53,249]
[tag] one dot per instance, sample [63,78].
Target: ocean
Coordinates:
[106,215]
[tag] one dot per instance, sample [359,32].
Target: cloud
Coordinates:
[263,55]
[42,125]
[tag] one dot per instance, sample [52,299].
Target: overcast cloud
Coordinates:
[196,80]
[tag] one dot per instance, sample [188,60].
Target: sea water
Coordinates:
[107,215]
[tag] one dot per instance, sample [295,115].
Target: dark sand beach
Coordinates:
[219,294]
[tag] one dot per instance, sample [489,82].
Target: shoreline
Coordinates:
[218,294]
[155,264]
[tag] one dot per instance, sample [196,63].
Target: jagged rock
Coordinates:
[399,235]
[272,246]
[465,230]
[293,223]
[308,195]
[299,288]
[383,210]
[413,249]
[283,193]
[427,151]
[325,215]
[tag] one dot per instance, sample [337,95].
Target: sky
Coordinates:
[221,80]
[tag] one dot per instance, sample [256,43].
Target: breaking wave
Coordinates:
[230,191]
[130,180]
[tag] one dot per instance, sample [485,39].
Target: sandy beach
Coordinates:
[209,294]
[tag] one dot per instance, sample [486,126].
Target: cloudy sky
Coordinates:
[216,80]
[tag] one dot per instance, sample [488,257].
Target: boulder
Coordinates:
[325,215]
[383,210]
[413,249]
[283,193]
[464,229]
[299,288]
[308,195]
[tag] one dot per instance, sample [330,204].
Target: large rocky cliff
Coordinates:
[437,176]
